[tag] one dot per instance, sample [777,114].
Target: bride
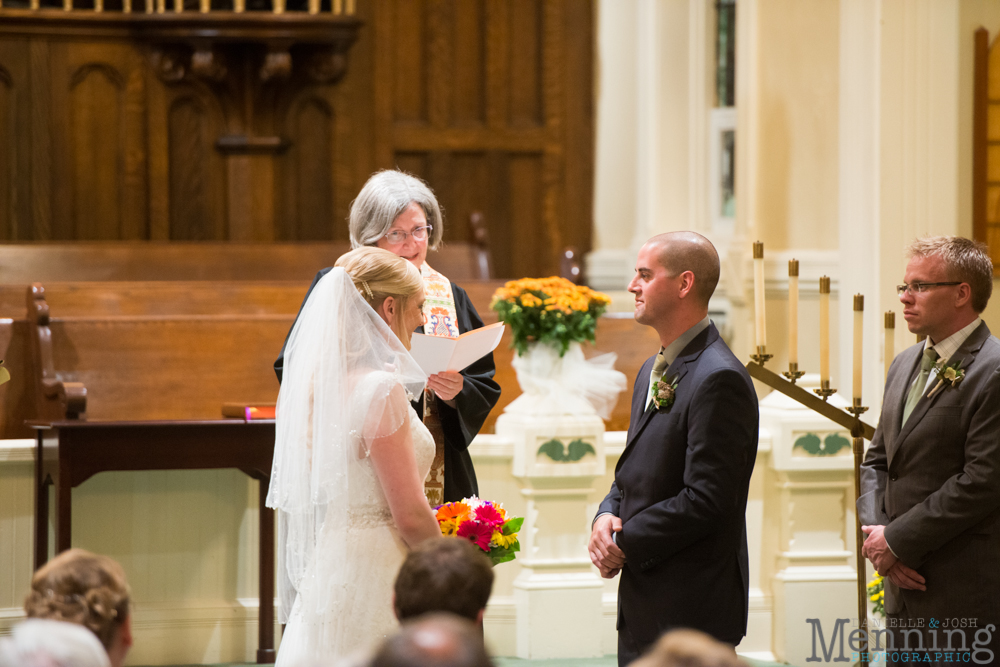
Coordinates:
[350,457]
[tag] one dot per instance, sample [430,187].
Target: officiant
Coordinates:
[399,212]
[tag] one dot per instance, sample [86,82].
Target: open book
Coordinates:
[439,353]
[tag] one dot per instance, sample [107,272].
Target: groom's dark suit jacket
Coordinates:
[680,490]
[935,484]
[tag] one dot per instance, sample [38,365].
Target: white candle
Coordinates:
[758,294]
[793,311]
[890,339]
[859,333]
[824,329]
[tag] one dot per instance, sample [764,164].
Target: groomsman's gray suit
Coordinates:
[934,482]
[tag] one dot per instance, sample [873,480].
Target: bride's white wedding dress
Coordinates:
[360,615]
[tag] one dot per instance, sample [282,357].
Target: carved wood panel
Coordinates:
[15,144]
[491,103]
[489,100]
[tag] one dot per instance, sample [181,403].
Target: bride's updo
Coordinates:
[378,274]
[81,587]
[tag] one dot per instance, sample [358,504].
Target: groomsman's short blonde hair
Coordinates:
[966,260]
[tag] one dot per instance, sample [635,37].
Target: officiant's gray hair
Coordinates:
[383,199]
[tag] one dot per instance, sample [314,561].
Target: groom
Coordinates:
[674,521]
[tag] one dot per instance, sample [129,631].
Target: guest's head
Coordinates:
[41,643]
[89,590]
[937,310]
[434,640]
[393,211]
[391,285]
[446,575]
[689,648]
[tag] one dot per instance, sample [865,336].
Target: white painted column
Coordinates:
[558,593]
[919,134]
[858,196]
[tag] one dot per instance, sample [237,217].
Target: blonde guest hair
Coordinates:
[84,588]
[378,274]
[383,199]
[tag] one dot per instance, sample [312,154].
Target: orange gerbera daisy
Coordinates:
[457,512]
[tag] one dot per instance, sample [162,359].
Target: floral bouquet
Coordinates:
[552,310]
[484,523]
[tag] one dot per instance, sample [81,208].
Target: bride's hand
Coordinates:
[446,384]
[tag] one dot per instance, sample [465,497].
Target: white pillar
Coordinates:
[858,196]
[558,592]
[814,576]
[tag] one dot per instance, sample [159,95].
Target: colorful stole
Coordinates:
[440,316]
[440,319]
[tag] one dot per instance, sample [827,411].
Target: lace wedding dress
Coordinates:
[347,384]
[363,615]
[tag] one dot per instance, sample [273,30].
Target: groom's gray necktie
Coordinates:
[917,390]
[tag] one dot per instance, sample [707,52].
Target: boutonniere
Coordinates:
[949,375]
[664,392]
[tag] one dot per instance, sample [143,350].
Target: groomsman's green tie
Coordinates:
[926,364]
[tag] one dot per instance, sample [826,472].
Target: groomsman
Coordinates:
[930,482]
[674,523]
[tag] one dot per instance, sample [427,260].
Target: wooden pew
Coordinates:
[85,261]
[268,302]
[132,376]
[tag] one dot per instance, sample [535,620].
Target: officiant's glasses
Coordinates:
[398,236]
[919,288]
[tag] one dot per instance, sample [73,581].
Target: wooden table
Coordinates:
[69,452]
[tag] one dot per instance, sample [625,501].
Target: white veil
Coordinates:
[337,341]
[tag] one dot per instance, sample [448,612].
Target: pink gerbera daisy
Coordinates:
[478,533]
[490,515]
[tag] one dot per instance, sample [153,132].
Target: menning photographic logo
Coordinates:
[936,641]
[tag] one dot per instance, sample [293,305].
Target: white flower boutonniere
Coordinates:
[664,392]
[949,375]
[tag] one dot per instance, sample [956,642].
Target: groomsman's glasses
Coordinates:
[920,288]
[399,236]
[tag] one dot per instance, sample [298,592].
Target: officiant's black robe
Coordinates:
[472,405]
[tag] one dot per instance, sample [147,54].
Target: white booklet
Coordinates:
[439,353]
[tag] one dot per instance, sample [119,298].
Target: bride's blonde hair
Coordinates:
[378,274]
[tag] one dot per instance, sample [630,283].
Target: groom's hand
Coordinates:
[604,553]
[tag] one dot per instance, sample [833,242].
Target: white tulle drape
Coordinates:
[566,385]
[323,425]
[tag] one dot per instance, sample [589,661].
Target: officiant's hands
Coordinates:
[604,553]
[447,385]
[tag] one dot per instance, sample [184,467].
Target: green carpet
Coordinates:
[606,661]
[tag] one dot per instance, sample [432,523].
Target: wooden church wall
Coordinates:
[490,101]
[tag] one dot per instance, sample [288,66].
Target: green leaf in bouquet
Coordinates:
[512,526]
[502,554]
[4,373]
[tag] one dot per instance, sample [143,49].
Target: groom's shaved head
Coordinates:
[689,251]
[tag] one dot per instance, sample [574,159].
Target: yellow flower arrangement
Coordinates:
[876,593]
[551,310]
